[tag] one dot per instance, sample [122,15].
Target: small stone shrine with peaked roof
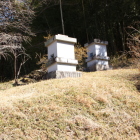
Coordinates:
[61,57]
[97,55]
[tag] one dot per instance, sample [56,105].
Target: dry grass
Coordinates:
[101,105]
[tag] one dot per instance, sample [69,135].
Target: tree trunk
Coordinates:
[62,17]
[15,68]
[85,20]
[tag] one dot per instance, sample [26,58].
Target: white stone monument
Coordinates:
[97,55]
[61,57]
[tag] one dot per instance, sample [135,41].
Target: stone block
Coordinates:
[63,74]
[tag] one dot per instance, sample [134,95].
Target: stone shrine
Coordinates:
[97,55]
[61,57]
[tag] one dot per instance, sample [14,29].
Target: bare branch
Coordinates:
[134,40]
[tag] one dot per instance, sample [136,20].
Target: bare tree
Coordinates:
[12,44]
[134,41]
[15,19]
[16,16]
[19,52]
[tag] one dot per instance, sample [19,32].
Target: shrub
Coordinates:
[133,41]
[80,54]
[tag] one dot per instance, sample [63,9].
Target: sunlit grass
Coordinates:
[99,105]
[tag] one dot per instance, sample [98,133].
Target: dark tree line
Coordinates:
[83,19]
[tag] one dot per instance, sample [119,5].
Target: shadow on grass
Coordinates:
[136,80]
[138,128]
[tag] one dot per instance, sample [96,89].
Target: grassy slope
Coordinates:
[100,105]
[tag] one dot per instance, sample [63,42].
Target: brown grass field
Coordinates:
[103,105]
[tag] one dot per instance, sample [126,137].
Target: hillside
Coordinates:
[99,105]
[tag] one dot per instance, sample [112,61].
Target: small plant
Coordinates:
[42,60]
[48,37]
[120,60]
[80,54]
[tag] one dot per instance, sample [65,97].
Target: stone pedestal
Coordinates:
[63,74]
[97,55]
